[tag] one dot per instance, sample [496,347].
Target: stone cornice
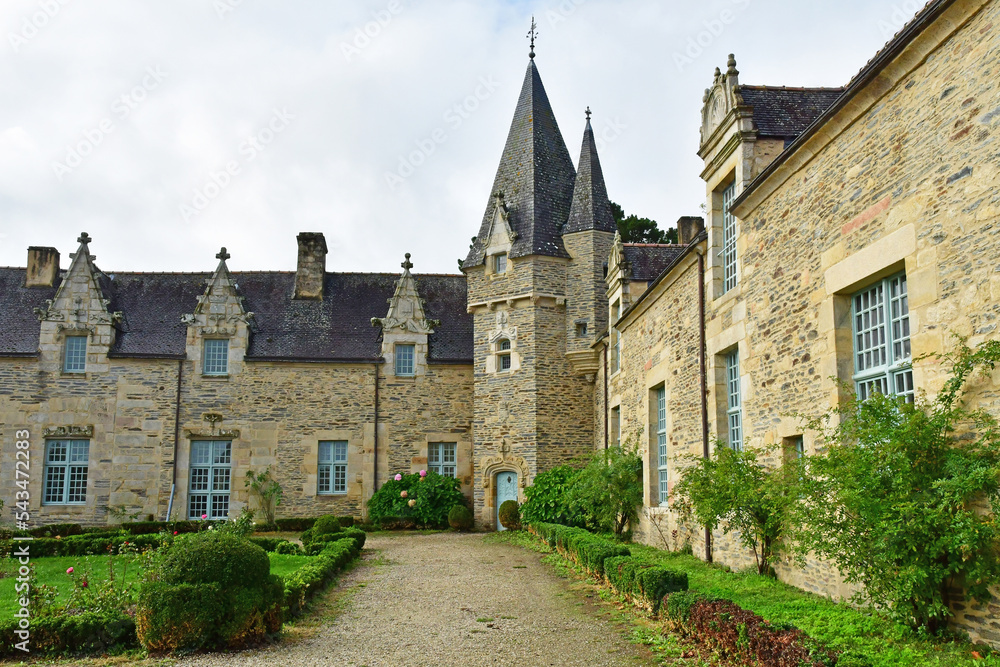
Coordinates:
[534,297]
[69,432]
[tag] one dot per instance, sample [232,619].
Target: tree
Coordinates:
[736,492]
[634,229]
[607,493]
[898,499]
[265,490]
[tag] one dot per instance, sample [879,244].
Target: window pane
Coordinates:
[57,451]
[340,478]
[882,340]
[223,451]
[505,362]
[500,263]
[734,410]
[434,454]
[220,506]
[664,487]
[220,479]
[55,480]
[199,479]
[404,360]
[76,354]
[341,451]
[77,485]
[216,357]
[79,450]
[197,505]
[325,452]
[728,239]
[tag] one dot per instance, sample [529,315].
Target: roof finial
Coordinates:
[588,113]
[407,265]
[731,66]
[84,238]
[532,34]
[223,255]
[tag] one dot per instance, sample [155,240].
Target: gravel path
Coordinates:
[450,599]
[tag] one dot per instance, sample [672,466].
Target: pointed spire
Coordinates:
[590,209]
[535,176]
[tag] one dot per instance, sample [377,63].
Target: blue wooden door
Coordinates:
[506,490]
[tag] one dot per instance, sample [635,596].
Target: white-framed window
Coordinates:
[616,339]
[581,329]
[734,411]
[75,354]
[503,355]
[442,458]
[615,427]
[728,239]
[404,359]
[216,356]
[500,263]
[881,321]
[332,474]
[67,464]
[662,468]
[211,473]
[795,447]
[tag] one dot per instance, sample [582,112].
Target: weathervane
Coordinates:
[531,35]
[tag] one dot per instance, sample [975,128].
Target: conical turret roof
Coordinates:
[590,209]
[535,177]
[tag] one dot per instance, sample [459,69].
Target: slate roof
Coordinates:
[786,112]
[535,175]
[338,328]
[648,260]
[590,209]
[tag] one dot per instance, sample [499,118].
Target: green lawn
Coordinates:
[52,571]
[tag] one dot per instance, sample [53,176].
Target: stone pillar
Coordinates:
[688,227]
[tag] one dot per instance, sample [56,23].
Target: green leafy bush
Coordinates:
[76,634]
[735,491]
[319,542]
[326,524]
[274,544]
[86,544]
[607,493]
[460,517]
[425,501]
[510,515]
[306,581]
[288,548]
[546,500]
[209,590]
[896,500]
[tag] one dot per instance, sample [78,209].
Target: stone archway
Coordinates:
[490,467]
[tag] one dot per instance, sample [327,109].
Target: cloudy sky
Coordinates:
[168,129]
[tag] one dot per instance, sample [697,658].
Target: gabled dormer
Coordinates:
[77,329]
[219,329]
[500,239]
[405,328]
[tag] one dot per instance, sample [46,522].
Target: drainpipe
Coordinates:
[702,362]
[177,437]
[375,446]
[606,412]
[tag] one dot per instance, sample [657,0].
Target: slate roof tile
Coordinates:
[648,260]
[786,112]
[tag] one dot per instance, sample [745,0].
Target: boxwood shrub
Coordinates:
[304,582]
[77,634]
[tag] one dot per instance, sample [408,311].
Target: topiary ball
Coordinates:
[510,515]
[460,518]
[326,524]
[218,558]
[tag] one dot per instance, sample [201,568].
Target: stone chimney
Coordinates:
[312,266]
[688,227]
[43,267]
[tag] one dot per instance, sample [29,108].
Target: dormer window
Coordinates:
[500,263]
[216,357]
[75,354]
[405,360]
[503,355]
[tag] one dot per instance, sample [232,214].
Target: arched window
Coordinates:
[503,355]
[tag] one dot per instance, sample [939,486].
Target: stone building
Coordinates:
[847,233]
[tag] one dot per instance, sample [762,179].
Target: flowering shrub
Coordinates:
[421,499]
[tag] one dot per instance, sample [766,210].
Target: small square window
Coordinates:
[581,329]
[404,360]
[500,263]
[75,356]
[216,361]
[442,458]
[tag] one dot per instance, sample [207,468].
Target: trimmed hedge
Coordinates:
[270,544]
[641,582]
[316,544]
[742,636]
[83,545]
[312,577]
[89,632]
[63,530]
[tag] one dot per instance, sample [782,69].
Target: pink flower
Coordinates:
[398,478]
[204,516]
[402,494]
[84,583]
[423,473]
[69,571]
[175,532]
[412,503]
